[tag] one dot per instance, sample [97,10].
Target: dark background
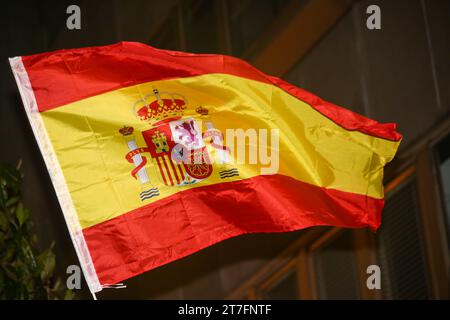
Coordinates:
[400,74]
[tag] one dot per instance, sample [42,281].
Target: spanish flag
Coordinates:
[157,154]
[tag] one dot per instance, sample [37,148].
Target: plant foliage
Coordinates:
[25,273]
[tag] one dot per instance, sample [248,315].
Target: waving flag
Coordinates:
[157,154]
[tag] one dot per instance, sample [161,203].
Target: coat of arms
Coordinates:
[175,144]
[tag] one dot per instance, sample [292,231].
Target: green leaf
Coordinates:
[12,201]
[9,272]
[22,214]
[69,295]
[3,196]
[10,180]
[30,285]
[34,239]
[8,254]
[28,255]
[47,264]
[4,224]
[57,285]
[19,165]
[10,174]
[2,280]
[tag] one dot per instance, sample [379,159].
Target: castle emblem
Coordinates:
[174,143]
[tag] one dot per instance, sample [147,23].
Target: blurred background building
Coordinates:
[400,74]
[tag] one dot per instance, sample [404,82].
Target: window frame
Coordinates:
[434,225]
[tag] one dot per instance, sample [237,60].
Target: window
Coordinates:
[285,288]
[401,247]
[335,269]
[443,156]
[282,283]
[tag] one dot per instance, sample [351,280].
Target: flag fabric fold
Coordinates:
[156,154]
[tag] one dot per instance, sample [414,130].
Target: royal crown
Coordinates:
[126,131]
[202,111]
[160,106]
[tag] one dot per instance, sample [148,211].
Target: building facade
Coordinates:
[399,73]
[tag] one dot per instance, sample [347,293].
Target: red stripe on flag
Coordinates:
[174,170]
[65,76]
[161,171]
[181,171]
[191,220]
[167,170]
